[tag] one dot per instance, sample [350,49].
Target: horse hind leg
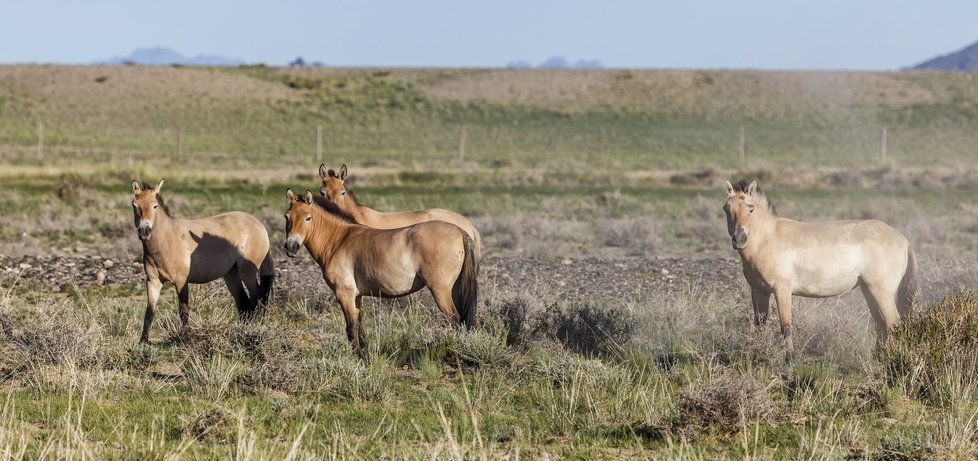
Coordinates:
[882,306]
[248,273]
[237,289]
[446,304]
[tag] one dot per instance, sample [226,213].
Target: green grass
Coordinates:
[651,121]
[291,380]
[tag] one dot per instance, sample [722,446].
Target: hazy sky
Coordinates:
[770,34]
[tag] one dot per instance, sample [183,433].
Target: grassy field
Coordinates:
[568,167]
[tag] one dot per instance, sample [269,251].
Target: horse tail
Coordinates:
[465,292]
[266,278]
[907,293]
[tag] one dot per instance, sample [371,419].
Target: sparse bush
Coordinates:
[52,338]
[211,377]
[727,401]
[482,347]
[516,314]
[213,423]
[587,328]
[353,379]
[276,361]
[639,235]
[933,354]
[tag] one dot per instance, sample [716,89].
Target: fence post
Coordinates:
[883,146]
[180,144]
[461,145]
[319,144]
[603,143]
[742,147]
[40,140]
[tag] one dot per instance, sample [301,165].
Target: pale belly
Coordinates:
[818,276]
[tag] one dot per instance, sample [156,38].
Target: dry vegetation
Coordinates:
[615,321]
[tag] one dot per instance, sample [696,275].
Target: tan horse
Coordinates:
[816,260]
[183,251]
[334,189]
[360,261]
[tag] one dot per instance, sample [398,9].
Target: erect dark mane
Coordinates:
[759,197]
[332,208]
[159,199]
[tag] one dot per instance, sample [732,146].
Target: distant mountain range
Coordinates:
[161,56]
[963,59]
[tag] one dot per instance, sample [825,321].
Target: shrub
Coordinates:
[482,347]
[54,338]
[933,354]
[589,329]
[726,401]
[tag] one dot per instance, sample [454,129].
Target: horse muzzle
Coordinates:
[144,232]
[291,248]
[739,239]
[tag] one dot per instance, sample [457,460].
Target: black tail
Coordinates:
[465,293]
[266,278]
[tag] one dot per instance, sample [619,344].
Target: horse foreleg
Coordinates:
[352,315]
[363,334]
[761,302]
[783,298]
[153,287]
[183,295]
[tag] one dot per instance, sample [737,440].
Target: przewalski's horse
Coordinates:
[183,251]
[334,189]
[816,260]
[360,261]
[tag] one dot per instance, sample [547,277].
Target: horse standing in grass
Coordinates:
[816,260]
[183,251]
[334,189]
[360,261]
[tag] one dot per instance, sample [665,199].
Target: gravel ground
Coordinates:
[568,277]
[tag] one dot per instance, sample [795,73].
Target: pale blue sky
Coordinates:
[769,34]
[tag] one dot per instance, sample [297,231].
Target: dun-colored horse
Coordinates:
[183,251]
[786,257]
[334,189]
[360,261]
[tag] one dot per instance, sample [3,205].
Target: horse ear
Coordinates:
[135,187]
[343,172]
[322,171]
[308,197]
[159,186]
[290,195]
[751,188]
[730,189]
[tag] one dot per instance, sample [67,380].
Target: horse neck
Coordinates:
[365,215]
[331,231]
[163,233]
[762,230]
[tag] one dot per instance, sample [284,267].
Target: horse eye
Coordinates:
[309,218]
[343,192]
[155,206]
[750,208]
